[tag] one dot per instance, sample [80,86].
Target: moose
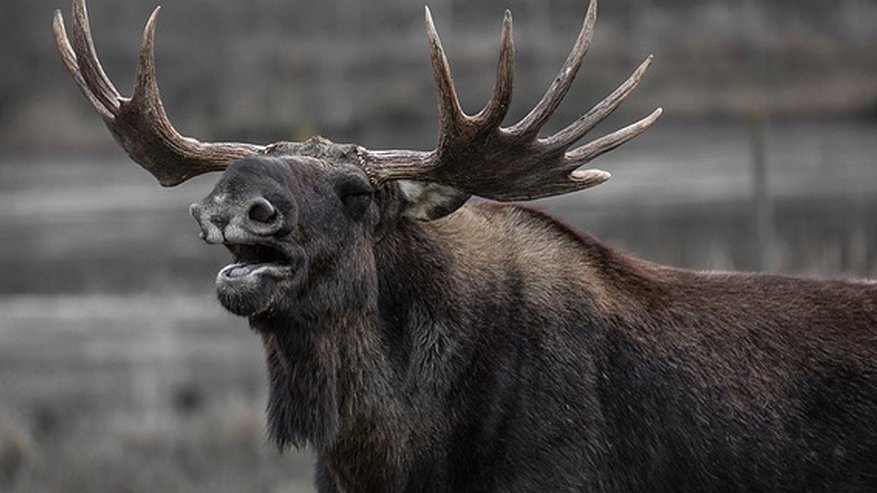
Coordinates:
[417,342]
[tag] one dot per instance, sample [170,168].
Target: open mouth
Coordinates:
[250,259]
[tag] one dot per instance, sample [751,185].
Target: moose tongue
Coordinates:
[239,271]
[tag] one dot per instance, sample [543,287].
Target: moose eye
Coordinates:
[355,193]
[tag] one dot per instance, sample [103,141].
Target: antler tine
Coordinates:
[450,112]
[86,54]
[530,125]
[581,179]
[495,109]
[68,56]
[585,123]
[589,151]
[140,124]
[145,83]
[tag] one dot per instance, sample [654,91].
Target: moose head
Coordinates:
[300,218]
[301,231]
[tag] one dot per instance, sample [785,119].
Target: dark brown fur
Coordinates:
[497,349]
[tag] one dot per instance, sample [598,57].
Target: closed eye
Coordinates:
[355,193]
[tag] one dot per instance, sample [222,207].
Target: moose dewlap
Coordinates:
[420,343]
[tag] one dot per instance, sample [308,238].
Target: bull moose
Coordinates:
[420,343]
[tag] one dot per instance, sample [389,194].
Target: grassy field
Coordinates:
[134,393]
[120,373]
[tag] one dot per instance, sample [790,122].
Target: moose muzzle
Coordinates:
[261,263]
[223,220]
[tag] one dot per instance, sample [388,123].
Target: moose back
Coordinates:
[420,343]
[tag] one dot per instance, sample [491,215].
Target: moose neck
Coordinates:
[359,379]
[316,345]
[336,358]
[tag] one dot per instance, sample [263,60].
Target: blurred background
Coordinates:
[118,370]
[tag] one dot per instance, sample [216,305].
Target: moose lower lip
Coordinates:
[241,271]
[238,270]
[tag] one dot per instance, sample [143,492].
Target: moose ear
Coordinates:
[429,201]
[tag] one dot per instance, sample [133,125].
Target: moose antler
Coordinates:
[475,154]
[139,123]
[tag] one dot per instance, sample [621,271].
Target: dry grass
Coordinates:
[103,393]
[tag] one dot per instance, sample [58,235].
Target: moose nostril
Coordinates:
[262,211]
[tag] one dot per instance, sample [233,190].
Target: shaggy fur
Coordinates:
[496,349]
